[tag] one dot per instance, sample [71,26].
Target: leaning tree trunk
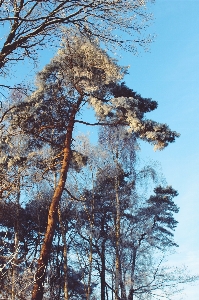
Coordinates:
[38,288]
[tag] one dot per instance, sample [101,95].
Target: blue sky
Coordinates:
[169,74]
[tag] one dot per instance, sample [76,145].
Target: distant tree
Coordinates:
[151,228]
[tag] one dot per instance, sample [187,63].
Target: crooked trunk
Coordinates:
[38,288]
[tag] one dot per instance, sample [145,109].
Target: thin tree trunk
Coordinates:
[112,293]
[90,267]
[38,288]
[117,260]
[122,286]
[65,256]
[131,291]
[102,275]
[117,236]
[103,262]
[91,219]
[16,244]
[65,266]
[106,292]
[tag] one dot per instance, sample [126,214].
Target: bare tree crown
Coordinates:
[30,25]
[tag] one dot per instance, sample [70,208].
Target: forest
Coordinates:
[80,220]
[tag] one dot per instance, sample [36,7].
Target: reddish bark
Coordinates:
[38,288]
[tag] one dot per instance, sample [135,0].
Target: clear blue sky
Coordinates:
[169,74]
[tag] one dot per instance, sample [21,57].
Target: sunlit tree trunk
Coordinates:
[38,288]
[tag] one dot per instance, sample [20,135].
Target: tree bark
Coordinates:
[88,294]
[16,244]
[102,274]
[102,258]
[131,291]
[65,255]
[122,285]
[117,235]
[38,288]
[91,219]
